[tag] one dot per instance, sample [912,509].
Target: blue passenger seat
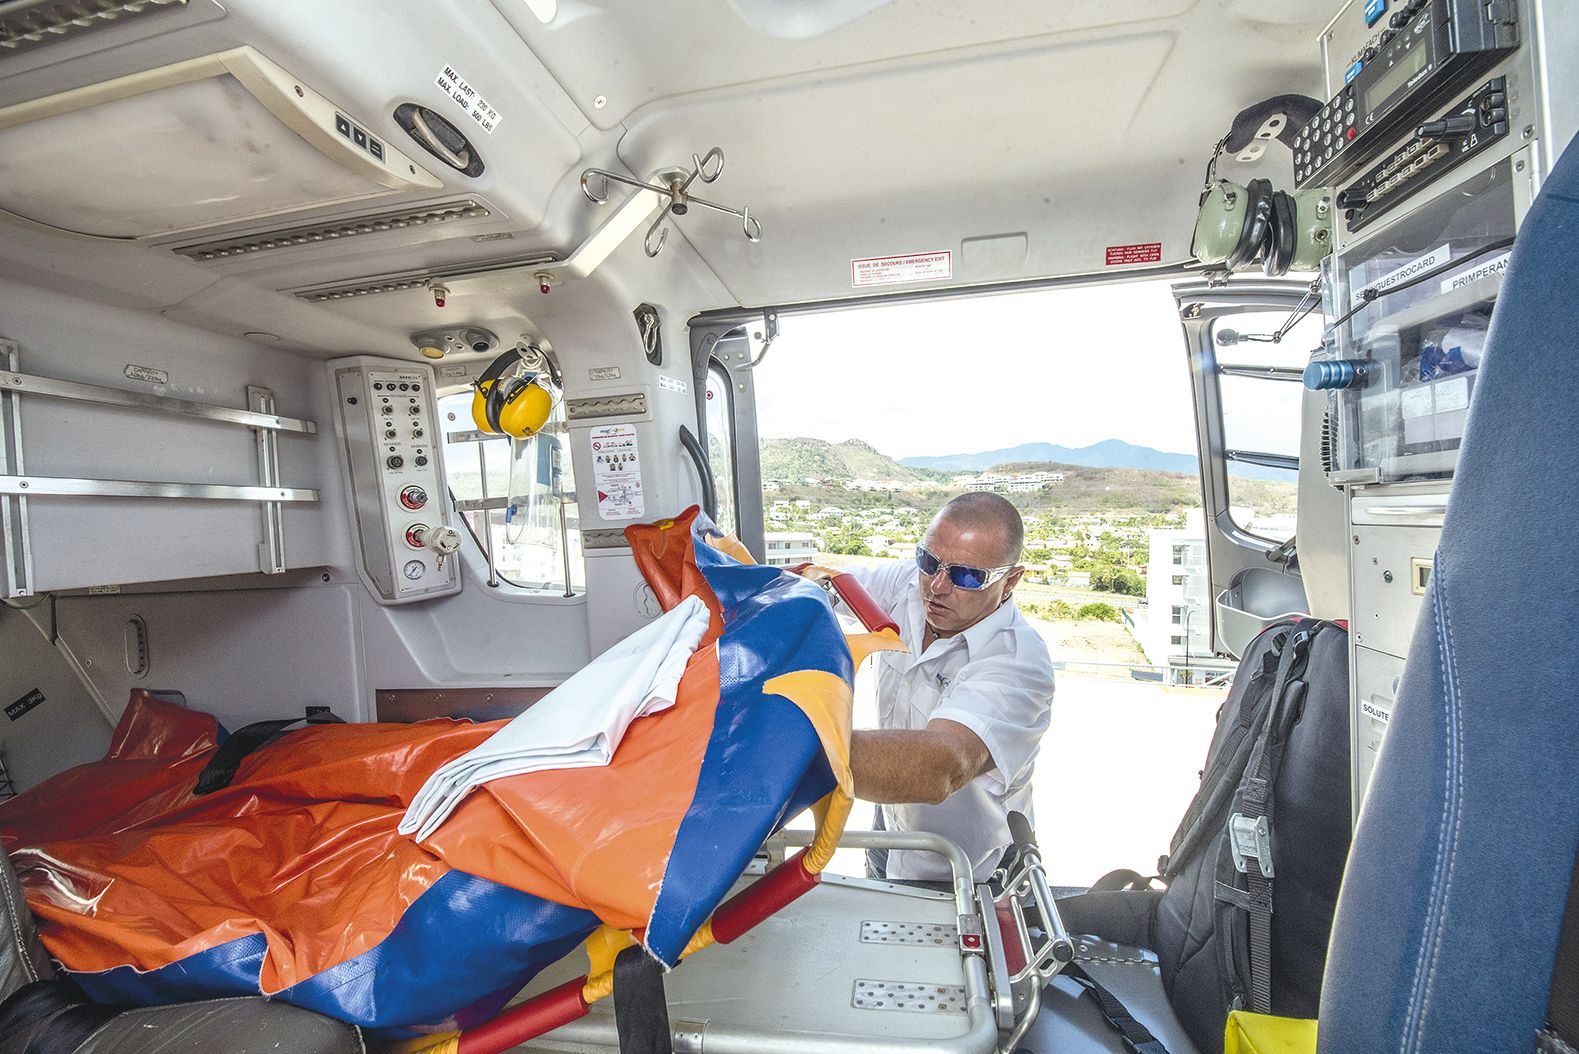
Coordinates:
[1447,924]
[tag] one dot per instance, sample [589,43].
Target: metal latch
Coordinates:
[972,933]
[1250,839]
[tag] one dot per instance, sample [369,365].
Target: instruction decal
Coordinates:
[146,374]
[616,472]
[897,270]
[466,97]
[1147,253]
[671,384]
[24,704]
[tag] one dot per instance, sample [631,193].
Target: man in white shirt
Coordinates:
[961,713]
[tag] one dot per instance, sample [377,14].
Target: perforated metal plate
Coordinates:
[596,406]
[924,934]
[908,996]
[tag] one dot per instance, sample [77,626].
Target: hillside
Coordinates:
[798,459]
[1109,453]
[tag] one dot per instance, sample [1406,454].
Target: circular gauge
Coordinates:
[415,569]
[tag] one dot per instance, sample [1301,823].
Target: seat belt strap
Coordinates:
[1136,1036]
[1561,1034]
[222,767]
[641,1015]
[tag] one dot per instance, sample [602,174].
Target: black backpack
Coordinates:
[1252,873]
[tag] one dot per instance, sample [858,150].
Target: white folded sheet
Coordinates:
[577,725]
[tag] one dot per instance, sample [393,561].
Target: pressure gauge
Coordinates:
[415,569]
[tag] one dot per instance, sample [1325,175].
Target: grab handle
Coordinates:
[704,470]
[858,600]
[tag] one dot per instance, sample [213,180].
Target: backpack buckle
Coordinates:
[1250,839]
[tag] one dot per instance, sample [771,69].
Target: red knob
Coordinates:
[413,497]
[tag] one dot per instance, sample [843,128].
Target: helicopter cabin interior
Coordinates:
[279,281]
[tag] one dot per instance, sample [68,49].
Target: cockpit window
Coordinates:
[517,496]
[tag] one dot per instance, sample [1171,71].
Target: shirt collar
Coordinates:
[974,635]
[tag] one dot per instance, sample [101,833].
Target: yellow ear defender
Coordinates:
[514,406]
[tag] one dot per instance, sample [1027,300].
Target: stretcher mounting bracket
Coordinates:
[675,189]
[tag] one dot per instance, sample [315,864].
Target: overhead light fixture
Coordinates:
[353,288]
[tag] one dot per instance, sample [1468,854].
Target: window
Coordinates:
[1178,580]
[530,489]
[1262,399]
[720,449]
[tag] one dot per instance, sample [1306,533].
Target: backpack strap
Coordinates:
[1250,827]
[1136,1036]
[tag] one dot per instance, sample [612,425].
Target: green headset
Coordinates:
[516,406]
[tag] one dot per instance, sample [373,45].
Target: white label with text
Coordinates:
[147,374]
[466,97]
[671,384]
[1418,266]
[616,472]
[896,270]
[1492,268]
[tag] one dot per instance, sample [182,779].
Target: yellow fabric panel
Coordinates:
[730,545]
[441,1043]
[864,645]
[1249,1033]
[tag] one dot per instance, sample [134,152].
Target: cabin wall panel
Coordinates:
[67,728]
[81,542]
[241,655]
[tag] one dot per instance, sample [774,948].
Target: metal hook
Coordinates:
[663,235]
[752,227]
[700,163]
[586,186]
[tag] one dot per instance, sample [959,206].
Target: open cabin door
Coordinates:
[1248,344]
[728,452]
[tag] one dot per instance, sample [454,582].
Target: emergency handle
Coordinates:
[858,600]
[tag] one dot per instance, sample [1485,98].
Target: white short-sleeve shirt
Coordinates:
[996,679]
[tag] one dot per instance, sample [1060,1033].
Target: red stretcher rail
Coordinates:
[858,600]
[559,1006]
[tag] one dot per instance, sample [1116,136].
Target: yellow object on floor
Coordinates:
[1249,1033]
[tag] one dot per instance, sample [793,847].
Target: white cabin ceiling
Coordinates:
[1023,136]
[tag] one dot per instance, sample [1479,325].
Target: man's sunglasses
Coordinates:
[963,576]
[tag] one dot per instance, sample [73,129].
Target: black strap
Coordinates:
[1562,1010]
[1136,1036]
[54,1014]
[641,1014]
[221,768]
[1217,788]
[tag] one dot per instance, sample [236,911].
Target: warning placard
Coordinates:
[896,270]
[1118,255]
[616,472]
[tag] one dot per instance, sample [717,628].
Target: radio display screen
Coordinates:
[1413,61]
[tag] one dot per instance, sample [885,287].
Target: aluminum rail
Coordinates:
[62,486]
[30,384]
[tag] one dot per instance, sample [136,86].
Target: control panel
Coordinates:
[1436,147]
[388,424]
[1428,50]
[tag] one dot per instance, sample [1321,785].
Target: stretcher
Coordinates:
[854,965]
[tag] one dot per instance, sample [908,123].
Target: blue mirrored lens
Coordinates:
[967,577]
[961,575]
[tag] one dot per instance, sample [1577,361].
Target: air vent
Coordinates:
[336,230]
[28,24]
[394,283]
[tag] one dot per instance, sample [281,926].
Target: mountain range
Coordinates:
[1109,453]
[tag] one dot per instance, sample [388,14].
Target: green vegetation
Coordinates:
[1098,612]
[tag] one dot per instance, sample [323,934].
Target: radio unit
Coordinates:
[1430,49]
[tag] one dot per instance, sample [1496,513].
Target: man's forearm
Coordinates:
[921,765]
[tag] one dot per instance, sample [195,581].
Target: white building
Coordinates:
[787,548]
[1177,633]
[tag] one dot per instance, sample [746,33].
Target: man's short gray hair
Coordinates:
[982,509]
